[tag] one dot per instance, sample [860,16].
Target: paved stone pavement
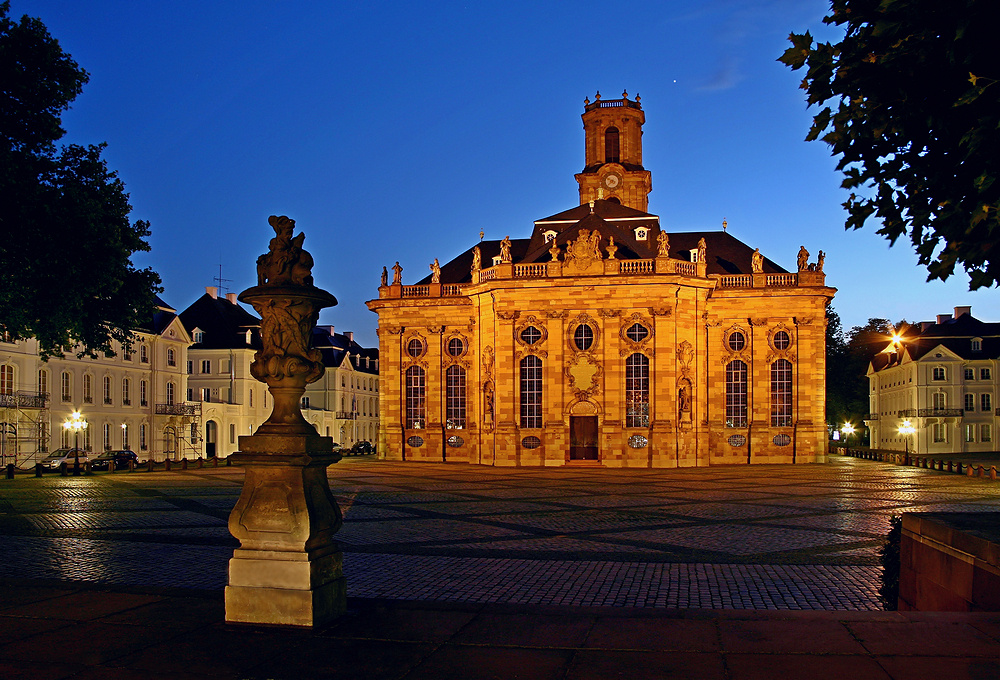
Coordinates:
[760,537]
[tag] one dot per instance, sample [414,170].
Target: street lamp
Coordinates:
[848,430]
[906,429]
[75,423]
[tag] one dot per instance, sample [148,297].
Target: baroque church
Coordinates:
[603,339]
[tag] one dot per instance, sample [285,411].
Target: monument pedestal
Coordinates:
[288,569]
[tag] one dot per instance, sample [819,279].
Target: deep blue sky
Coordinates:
[397,130]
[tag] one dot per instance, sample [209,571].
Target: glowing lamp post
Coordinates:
[906,429]
[75,423]
[848,430]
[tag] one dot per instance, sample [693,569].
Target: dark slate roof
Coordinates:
[161,317]
[726,254]
[954,334]
[336,347]
[225,324]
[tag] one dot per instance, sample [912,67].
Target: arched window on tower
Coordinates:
[611,147]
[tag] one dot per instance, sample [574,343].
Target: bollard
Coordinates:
[112,467]
[229,462]
[215,462]
[76,467]
[86,468]
[63,468]
[968,470]
[982,471]
[131,465]
[184,463]
[200,463]
[10,471]
[166,465]
[149,465]
[950,467]
[38,469]
[993,472]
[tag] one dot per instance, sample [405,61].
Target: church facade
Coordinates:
[603,339]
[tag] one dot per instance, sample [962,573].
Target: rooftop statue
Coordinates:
[662,245]
[757,261]
[803,258]
[505,249]
[435,271]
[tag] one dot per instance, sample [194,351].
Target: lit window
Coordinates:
[531,391]
[970,433]
[637,391]
[781,393]
[206,394]
[736,394]
[6,379]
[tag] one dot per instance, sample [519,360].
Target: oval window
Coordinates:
[531,442]
[781,340]
[737,341]
[637,441]
[414,348]
[782,440]
[737,440]
[531,335]
[456,347]
[415,441]
[583,337]
[637,332]
[455,441]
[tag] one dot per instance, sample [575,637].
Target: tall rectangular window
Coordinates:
[6,379]
[107,389]
[206,366]
[986,402]
[970,374]
[781,393]
[170,393]
[970,402]
[984,374]
[232,433]
[940,432]
[736,394]
[637,390]
[142,437]
[939,401]
[416,389]
[126,392]
[64,382]
[985,433]
[143,398]
[88,389]
[970,433]
[125,437]
[43,382]
[531,391]
[107,436]
[454,398]
[937,373]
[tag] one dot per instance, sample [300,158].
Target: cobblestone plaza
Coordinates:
[758,537]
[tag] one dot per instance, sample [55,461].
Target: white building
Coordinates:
[130,400]
[940,378]
[184,391]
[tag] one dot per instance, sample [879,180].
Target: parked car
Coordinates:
[68,456]
[361,447]
[121,459]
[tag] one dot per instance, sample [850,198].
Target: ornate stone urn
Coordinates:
[288,568]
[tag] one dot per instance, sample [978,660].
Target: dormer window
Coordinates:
[249,336]
[199,335]
[641,233]
[977,344]
[550,236]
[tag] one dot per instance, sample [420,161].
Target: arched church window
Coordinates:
[531,391]
[637,391]
[611,147]
[736,394]
[416,387]
[455,397]
[781,393]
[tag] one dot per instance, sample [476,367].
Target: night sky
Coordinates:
[398,130]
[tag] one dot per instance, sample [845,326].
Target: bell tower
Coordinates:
[613,142]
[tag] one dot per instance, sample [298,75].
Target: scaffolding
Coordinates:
[24,428]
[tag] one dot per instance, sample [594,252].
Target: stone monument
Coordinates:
[288,568]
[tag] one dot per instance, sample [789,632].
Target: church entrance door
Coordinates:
[583,438]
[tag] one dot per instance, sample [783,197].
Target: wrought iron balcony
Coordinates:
[178,409]
[23,400]
[931,413]
[346,415]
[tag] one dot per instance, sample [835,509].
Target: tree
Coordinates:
[914,112]
[66,241]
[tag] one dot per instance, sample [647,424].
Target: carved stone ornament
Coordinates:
[758,321]
[584,372]
[685,355]
[583,256]
[392,330]
[608,313]
[800,321]
[556,314]
[661,311]
[487,363]
[508,315]
[288,305]
[436,330]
